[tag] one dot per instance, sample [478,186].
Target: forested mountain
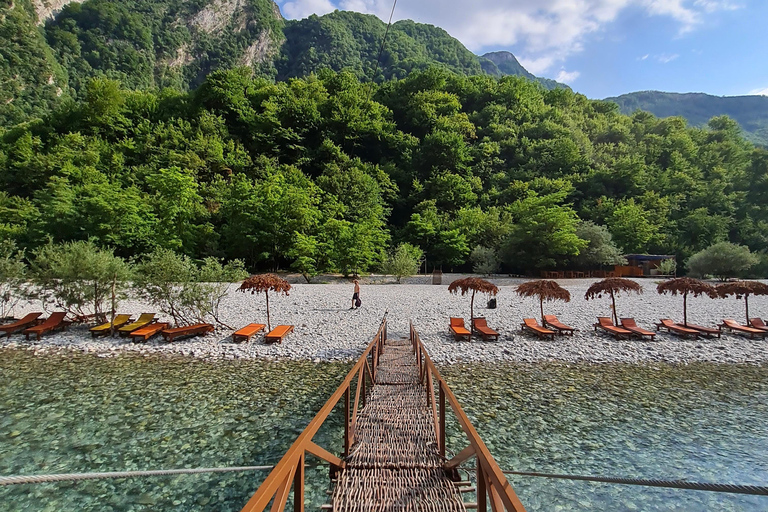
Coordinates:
[154,44]
[312,174]
[505,63]
[751,112]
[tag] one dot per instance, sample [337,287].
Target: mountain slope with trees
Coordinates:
[751,112]
[313,175]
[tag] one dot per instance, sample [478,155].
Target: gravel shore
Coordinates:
[327,329]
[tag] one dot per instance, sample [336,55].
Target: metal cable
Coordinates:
[70,477]
[381,51]
[672,484]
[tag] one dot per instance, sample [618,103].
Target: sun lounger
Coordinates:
[149,330]
[120,320]
[733,325]
[532,325]
[552,322]
[481,326]
[758,323]
[630,325]
[278,333]
[144,320]
[52,323]
[247,332]
[672,327]
[187,330]
[19,325]
[706,331]
[458,330]
[606,324]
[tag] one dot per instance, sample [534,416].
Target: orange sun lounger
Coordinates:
[630,325]
[19,325]
[605,323]
[480,325]
[682,330]
[706,331]
[146,332]
[247,332]
[532,325]
[52,323]
[458,330]
[758,323]
[187,330]
[552,322]
[733,325]
[278,333]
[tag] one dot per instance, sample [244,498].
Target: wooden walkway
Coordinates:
[394,463]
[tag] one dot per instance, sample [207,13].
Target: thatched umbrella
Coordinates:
[264,283]
[612,286]
[684,286]
[742,288]
[473,284]
[544,290]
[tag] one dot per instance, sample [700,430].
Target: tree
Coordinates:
[80,277]
[12,277]
[212,284]
[722,260]
[404,261]
[600,249]
[485,261]
[163,278]
[305,251]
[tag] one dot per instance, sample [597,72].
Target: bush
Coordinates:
[601,250]
[484,260]
[12,277]
[405,261]
[668,267]
[80,277]
[722,260]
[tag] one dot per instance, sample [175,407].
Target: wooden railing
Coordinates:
[492,485]
[289,472]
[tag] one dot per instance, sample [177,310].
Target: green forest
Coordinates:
[329,173]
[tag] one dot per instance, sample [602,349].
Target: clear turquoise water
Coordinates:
[83,413]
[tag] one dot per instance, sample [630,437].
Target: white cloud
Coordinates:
[544,33]
[665,58]
[644,57]
[759,92]
[298,9]
[567,77]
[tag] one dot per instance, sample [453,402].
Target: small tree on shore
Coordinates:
[722,260]
[484,260]
[12,277]
[405,261]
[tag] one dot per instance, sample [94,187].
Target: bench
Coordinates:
[247,332]
[278,333]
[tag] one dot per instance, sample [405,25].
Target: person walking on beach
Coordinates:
[356,302]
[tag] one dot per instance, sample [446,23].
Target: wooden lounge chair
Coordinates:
[678,329]
[630,325]
[532,325]
[19,325]
[605,323]
[552,322]
[149,330]
[458,330]
[733,325]
[481,326]
[278,333]
[144,320]
[706,331]
[758,323]
[187,330]
[120,320]
[52,323]
[247,332]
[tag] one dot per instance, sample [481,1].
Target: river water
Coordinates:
[80,413]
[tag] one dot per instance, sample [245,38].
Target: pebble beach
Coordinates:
[326,329]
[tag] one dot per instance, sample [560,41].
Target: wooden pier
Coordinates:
[394,443]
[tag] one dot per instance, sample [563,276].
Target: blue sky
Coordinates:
[601,48]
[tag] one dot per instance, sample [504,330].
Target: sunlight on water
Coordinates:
[83,413]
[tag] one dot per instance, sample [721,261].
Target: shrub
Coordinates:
[12,277]
[722,260]
[484,260]
[403,262]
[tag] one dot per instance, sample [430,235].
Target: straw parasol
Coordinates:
[742,289]
[685,286]
[545,290]
[613,286]
[264,283]
[473,284]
